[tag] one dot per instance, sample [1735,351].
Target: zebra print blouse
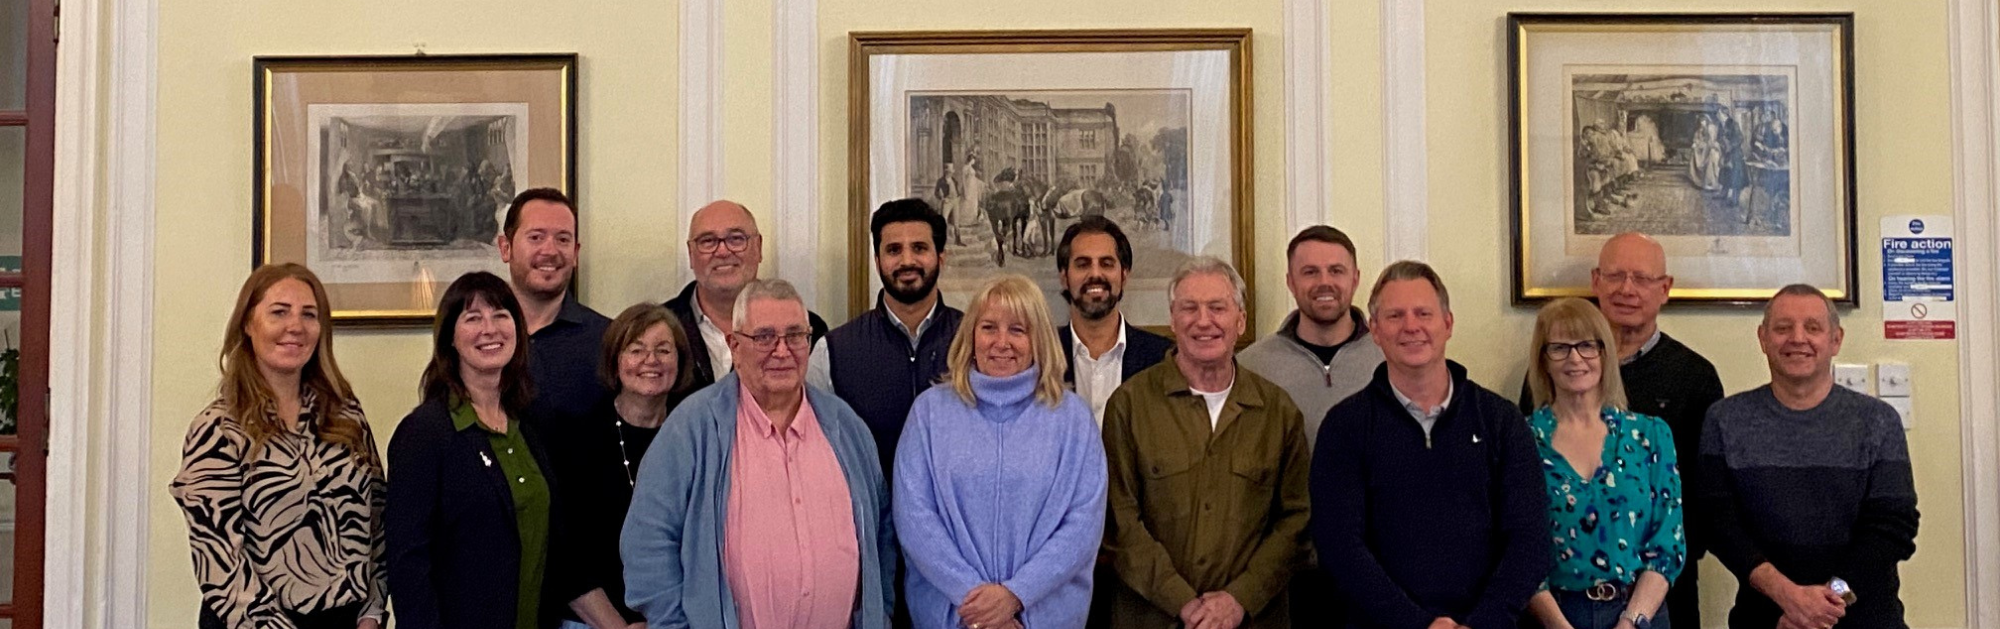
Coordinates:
[298,529]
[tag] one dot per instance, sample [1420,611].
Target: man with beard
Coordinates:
[724,249]
[1094,260]
[540,247]
[1327,334]
[882,359]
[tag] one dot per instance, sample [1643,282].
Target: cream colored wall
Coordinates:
[628,166]
[1902,113]
[627,158]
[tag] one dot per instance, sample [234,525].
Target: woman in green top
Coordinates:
[470,505]
[1614,487]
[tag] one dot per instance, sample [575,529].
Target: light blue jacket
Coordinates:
[672,541]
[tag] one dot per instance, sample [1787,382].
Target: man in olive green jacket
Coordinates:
[1208,475]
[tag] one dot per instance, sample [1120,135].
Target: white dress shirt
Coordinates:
[1097,377]
[717,340]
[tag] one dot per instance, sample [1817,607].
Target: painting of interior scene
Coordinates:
[1682,154]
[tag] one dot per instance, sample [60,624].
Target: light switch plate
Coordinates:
[1905,409]
[1892,379]
[1853,377]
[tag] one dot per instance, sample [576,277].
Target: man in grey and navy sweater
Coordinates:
[1428,508]
[1809,483]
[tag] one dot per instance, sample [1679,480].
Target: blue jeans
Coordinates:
[1583,613]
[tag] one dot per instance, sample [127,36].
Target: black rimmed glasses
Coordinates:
[735,241]
[1584,349]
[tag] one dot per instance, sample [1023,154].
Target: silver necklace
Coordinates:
[625,455]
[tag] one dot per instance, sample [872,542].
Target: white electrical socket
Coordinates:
[1853,377]
[1906,409]
[1892,379]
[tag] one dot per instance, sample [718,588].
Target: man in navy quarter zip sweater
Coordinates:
[1429,510]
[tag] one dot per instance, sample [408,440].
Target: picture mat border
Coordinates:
[264,71]
[864,45]
[1841,27]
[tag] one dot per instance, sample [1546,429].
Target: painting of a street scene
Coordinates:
[1682,154]
[1011,171]
[398,188]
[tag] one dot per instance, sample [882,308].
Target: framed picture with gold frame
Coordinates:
[1729,138]
[390,176]
[1015,135]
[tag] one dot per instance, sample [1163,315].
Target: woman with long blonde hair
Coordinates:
[1000,477]
[280,481]
[1614,486]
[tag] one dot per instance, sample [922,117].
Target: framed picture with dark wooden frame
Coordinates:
[390,176]
[1015,135]
[1729,138]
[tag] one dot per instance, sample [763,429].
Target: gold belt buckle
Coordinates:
[1601,592]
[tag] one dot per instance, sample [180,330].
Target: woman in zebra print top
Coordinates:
[280,480]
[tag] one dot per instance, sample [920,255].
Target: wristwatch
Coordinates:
[1639,621]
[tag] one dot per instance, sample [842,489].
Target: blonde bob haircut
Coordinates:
[1574,318]
[1019,296]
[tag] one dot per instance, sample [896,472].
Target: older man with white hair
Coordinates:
[762,501]
[1207,460]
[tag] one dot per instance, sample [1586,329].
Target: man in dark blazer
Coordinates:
[1094,260]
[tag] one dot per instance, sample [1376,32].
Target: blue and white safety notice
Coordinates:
[1918,293]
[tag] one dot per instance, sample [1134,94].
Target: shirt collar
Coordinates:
[464,418]
[1643,349]
[754,414]
[921,325]
[1076,342]
[1430,413]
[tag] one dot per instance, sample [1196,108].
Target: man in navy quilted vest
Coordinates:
[882,359]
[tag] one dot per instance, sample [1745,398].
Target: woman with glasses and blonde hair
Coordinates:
[1613,482]
[279,478]
[1000,476]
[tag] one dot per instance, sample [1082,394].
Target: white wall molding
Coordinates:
[1306,142]
[1975,93]
[701,146]
[1406,161]
[795,143]
[101,408]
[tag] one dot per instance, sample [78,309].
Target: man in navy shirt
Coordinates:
[539,244]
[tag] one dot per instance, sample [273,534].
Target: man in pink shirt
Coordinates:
[761,504]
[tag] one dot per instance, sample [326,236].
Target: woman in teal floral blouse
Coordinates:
[1614,487]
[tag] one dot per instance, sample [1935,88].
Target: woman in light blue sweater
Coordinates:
[1000,477]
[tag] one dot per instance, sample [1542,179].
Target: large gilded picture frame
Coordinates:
[1727,137]
[1015,135]
[389,176]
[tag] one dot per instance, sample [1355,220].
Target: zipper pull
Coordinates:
[1327,370]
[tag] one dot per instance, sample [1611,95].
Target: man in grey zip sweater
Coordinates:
[1321,355]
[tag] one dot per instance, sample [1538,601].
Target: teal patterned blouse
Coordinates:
[1626,518]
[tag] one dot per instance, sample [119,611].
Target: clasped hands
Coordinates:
[1810,607]
[1214,610]
[990,606]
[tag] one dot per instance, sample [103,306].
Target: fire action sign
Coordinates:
[1918,302]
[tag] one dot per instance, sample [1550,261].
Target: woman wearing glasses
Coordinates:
[1000,476]
[598,459]
[1613,483]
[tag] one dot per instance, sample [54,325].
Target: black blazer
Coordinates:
[454,553]
[1142,349]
